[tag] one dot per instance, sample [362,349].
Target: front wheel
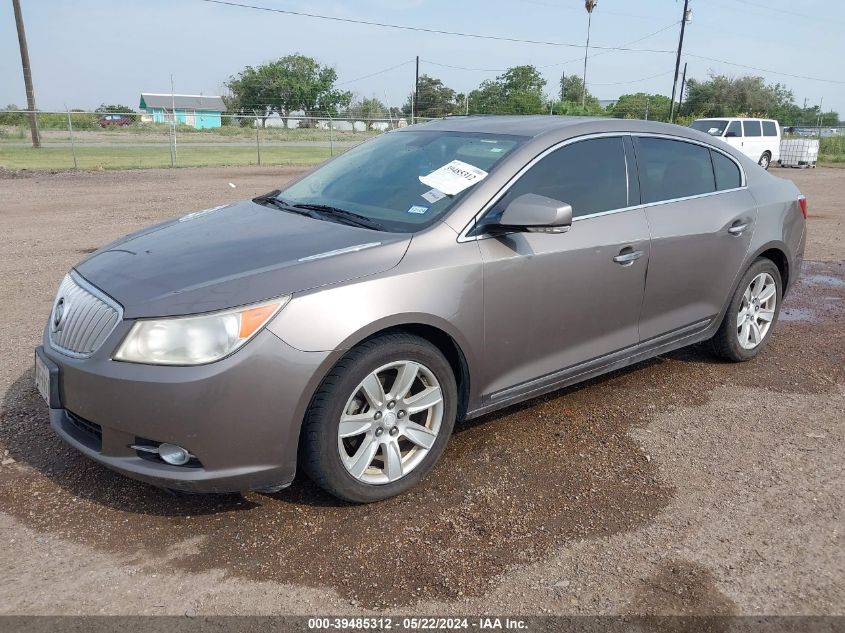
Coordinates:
[380,419]
[765,160]
[752,313]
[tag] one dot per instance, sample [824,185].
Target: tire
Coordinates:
[346,466]
[734,342]
[765,160]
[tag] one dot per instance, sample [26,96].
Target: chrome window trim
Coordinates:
[464,237]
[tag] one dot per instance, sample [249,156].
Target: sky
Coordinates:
[84,53]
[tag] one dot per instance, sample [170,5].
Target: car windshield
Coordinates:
[403,180]
[713,127]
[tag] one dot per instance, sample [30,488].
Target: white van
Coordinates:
[759,139]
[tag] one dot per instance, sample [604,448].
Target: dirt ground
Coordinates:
[682,485]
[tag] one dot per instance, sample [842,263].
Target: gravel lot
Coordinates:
[681,485]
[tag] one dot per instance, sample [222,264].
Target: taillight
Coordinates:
[803,202]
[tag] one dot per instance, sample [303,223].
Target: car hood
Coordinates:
[234,255]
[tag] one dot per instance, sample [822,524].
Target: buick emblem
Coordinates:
[58,314]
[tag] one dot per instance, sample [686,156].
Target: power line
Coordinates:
[379,72]
[420,29]
[569,61]
[770,10]
[604,11]
[765,70]
[512,39]
[631,81]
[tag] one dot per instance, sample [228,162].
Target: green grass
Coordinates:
[51,158]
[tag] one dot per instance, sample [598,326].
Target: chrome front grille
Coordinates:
[82,318]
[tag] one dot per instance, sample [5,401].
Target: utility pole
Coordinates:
[590,5]
[415,105]
[683,85]
[684,19]
[27,74]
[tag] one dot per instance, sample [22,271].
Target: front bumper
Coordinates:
[240,416]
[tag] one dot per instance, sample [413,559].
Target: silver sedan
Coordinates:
[343,323]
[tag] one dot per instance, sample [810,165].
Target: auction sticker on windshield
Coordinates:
[454,177]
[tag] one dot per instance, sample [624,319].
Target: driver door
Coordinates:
[556,301]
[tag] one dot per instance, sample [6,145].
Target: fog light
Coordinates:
[173,454]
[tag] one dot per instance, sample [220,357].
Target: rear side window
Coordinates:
[726,171]
[673,169]
[588,175]
[734,130]
[770,128]
[752,128]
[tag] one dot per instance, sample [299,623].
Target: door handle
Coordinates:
[738,229]
[627,256]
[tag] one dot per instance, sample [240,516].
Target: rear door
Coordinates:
[771,135]
[702,219]
[553,301]
[754,144]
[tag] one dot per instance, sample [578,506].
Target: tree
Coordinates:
[367,110]
[641,105]
[12,115]
[114,109]
[727,96]
[518,91]
[435,99]
[291,84]
[572,91]
[117,108]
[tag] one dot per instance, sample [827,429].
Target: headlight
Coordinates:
[195,340]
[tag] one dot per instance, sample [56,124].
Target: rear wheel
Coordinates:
[380,419]
[765,160]
[752,313]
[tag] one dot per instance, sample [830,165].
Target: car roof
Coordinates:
[520,125]
[735,118]
[533,126]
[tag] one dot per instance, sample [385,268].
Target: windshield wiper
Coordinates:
[351,218]
[271,199]
[318,211]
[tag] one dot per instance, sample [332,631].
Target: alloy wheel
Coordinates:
[756,311]
[390,422]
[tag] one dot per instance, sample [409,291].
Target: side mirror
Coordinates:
[537,214]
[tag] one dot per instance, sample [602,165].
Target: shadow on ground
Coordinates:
[511,487]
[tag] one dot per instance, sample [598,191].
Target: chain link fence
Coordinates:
[123,140]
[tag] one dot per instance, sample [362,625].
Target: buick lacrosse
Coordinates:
[435,273]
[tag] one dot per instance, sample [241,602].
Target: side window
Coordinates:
[770,128]
[752,128]
[734,130]
[727,173]
[673,169]
[589,175]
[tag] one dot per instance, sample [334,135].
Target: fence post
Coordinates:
[257,137]
[172,132]
[331,135]
[70,130]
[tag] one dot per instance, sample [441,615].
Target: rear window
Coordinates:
[713,127]
[673,169]
[770,128]
[752,128]
[726,171]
